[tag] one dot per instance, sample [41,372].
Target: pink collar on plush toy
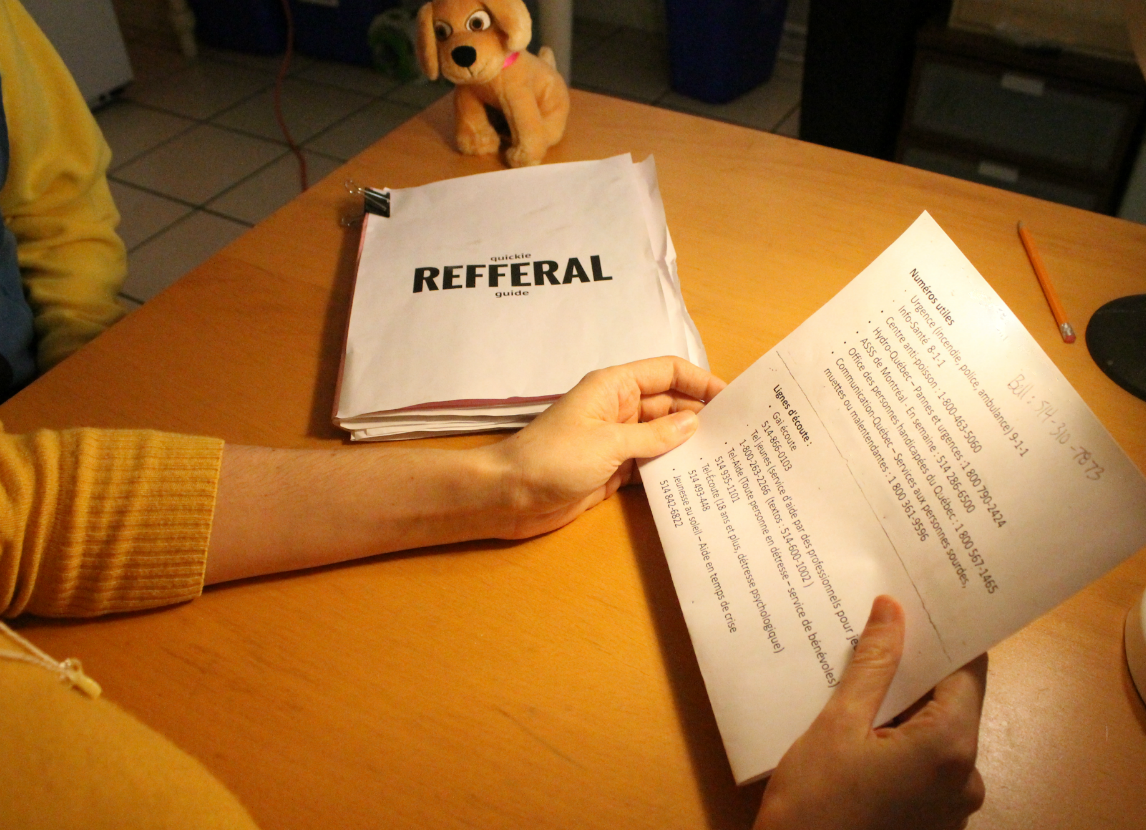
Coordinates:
[510,59]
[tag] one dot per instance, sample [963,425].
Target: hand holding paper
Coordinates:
[843,773]
[580,450]
[910,438]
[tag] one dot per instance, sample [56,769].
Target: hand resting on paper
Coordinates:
[921,774]
[280,510]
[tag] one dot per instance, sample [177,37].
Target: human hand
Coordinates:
[921,774]
[580,450]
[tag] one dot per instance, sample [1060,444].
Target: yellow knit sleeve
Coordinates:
[56,199]
[98,521]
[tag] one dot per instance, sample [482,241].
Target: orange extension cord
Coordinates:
[294,148]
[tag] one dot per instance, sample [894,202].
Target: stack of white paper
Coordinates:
[480,300]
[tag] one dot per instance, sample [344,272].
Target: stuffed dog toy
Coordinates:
[480,47]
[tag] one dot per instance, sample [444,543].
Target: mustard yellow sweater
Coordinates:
[56,199]
[96,521]
[91,521]
[74,763]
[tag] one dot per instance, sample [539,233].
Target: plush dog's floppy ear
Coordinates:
[512,17]
[425,44]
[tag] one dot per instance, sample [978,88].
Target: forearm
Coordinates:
[281,510]
[96,521]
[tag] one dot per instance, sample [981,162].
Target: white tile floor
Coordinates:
[198,156]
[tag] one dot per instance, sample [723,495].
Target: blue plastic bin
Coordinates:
[336,32]
[256,26]
[720,49]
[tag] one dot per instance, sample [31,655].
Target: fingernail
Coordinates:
[687,422]
[883,610]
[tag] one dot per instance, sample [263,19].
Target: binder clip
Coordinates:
[373,201]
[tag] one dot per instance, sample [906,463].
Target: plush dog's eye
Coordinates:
[442,29]
[478,21]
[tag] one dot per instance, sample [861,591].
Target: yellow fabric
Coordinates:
[56,199]
[98,521]
[91,522]
[74,763]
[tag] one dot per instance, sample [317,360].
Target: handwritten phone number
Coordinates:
[1058,431]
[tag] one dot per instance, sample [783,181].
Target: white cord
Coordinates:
[70,671]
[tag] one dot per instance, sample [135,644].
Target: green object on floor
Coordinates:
[391,38]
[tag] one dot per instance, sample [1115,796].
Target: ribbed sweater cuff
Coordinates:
[132,522]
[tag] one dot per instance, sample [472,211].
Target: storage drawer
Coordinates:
[997,174]
[1093,27]
[1022,115]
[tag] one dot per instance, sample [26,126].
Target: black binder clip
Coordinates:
[373,201]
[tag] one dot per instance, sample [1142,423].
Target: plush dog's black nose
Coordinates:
[464,56]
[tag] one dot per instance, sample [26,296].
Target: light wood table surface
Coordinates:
[551,683]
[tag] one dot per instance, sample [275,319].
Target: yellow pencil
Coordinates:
[1056,308]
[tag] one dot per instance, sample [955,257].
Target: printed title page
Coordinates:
[509,286]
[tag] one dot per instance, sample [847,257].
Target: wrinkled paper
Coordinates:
[480,300]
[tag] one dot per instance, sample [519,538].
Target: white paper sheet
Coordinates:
[909,438]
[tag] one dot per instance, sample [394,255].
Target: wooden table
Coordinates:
[551,683]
